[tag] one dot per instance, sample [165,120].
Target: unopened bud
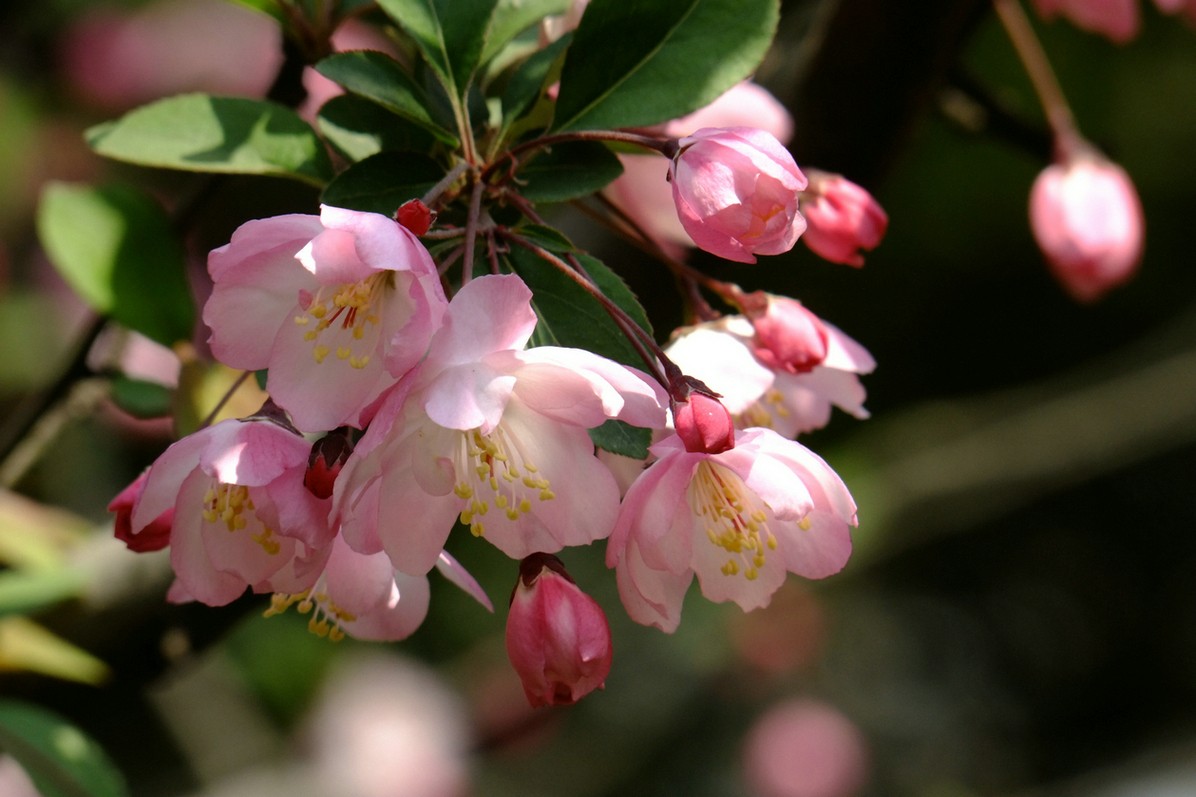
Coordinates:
[788,336]
[153,537]
[328,456]
[415,216]
[700,419]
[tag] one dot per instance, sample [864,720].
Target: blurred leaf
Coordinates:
[60,759]
[639,62]
[359,128]
[202,385]
[449,33]
[115,246]
[511,17]
[268,7]
[381,79]
[25,591]
[36,536]
[384,181]
[25,645]
[569,170]
[202,133]
[141,398]
[622,438]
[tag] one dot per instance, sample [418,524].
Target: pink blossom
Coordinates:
[841,219]
[1087,219]
[558,639]
[1117,20]
[805,748]
[241,512]
[493,434]
[154,536]
[739,520]
[337,307]
[736,191]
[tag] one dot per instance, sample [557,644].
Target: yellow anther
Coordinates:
[319,353]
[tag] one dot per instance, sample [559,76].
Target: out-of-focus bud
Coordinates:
[1087,219]
[841,219]
[788,336]
[736,191]
[702,422]
[558,639]
[153,537]
[415,216]
[1117,20]
[328,456]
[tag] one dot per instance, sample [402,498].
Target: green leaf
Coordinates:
[567,171]
[640,62]
[549,238]
[530,80]
[141,398]
[115,246]
[512,17]
[383,182]
[449,33]
[202,133]
[60,759]
[378,77]
[622,438]
[358,128]
[25,645]
[25,591]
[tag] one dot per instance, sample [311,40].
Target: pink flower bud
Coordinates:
[699,418]
[558,639]
[1087,219]
[153,537]
[788,336]
[841,219]
[415,216]
[736,192]
[328,456]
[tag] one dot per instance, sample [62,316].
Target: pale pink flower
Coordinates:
[736,190]
[1087,219]
[558,639]
[491,433]
[336,306]
[841,219]
[739,520]
[1117,20]
[241,512]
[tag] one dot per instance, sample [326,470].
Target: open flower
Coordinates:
[336,306]
[739,520]
[493,434]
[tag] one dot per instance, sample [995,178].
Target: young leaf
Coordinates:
[529,81]
[141,398]
[670,59]
[622,438]
[512,17]
[383,182]
[59,758]
[378,77]
[202,133]
[115,246]
[568,171]
[358,128]
[449,33]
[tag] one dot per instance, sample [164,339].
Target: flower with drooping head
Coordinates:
[494,434]
[841,218]
[558,639]
[739,519]
[1087,219]
[336,306]
[154,536]
[1117,20]
[241,512]
[736,190]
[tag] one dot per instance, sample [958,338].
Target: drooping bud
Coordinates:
[788,336]
[415,216]
[328,456]
[841,219]
[153,537]
[702,422]
[558,639]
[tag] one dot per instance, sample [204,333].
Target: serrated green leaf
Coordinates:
[512,17]
[379,78]
[203,133]
[622,438]
[449,33]
[383,182]
[569,170]
[142,398]
[60,759]
[115,246]
[640,62]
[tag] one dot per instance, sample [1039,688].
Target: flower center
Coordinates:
[327,619]
[763,411]
[347,322]
[490,468]
[232,505]
[735,519]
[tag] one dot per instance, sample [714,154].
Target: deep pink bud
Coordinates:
[558,639]
[328,456]
[153,537]
[788,336]
[1087,219]
[415,216]
[699,418]
[736,191]
[841,219]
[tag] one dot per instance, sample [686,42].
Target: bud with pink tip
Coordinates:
[736,191]
[153,537]
[700,419]
[841,219]
[788,336]
[328,456]
[558,639]
[1087,219]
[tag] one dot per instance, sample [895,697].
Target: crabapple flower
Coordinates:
[1087,220]
[558,639]
[493,434]
[1116,20]
[736,191]
[241,512]
[154,536]
[739,520]
[841,219]
[336,306]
